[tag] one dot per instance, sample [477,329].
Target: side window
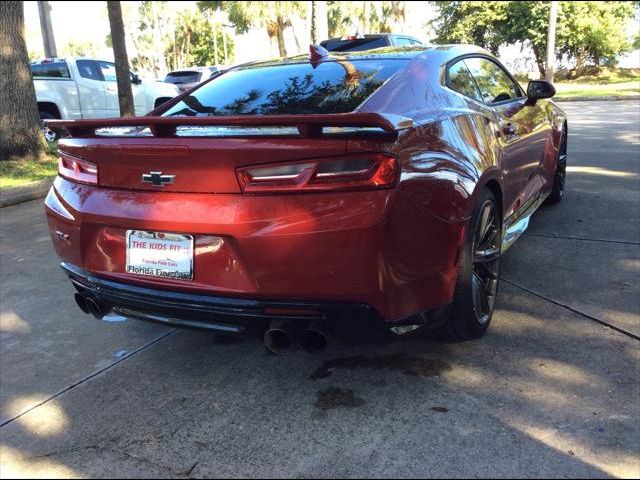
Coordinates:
[461,81]
[50,70]
[88,69]
[402,41]
[108,71]
[494,83]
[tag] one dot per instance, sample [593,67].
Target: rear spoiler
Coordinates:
[307,125]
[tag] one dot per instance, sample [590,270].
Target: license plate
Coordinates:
[159,254]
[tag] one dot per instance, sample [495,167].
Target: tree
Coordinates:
[479,23]
[195,34]
[125,96]
[587,31]
[594,32]
[347,18]
[275,17]
[551,41]
[154,32]
[75,48]
[20,133]
[319,22]
[48,38]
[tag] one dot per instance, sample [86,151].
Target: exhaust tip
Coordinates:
[281,336]
[96,308]
[278,341]
[81,301]
[316,337]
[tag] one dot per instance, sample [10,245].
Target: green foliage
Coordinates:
[193,43]
[587,31]
[478,23]
[274,16]
[245,14]
[347,18]
[79,49]
[185,38]
[593,32]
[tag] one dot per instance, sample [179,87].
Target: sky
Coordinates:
[84,21]
[87,21]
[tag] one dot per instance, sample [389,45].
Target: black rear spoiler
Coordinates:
[307,125]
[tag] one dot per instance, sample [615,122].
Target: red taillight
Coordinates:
[352,172]
[78,170]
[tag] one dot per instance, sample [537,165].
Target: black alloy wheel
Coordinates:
[557,192]
[478,273]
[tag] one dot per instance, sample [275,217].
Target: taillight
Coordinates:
[78,170]
[353,172]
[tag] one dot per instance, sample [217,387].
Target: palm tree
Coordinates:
[275,17]
[125,96]
[20,133]
[319,22]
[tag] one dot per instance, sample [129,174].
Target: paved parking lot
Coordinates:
[552,390]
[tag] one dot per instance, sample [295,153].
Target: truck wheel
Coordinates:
[49,135]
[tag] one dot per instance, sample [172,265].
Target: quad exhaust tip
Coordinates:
[284,336]
[316,337]
[91,306]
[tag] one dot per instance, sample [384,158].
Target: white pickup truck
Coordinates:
[75,88]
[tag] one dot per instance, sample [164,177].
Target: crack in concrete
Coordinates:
[64,451]
[622,242]
[573,310]
[90,376]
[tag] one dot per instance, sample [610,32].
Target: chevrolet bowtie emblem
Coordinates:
[157,179]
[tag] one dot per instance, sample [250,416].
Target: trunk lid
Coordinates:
[201,154]
[196,165]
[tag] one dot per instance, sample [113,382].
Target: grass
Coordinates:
[597,82]
[16,173]
[600,82]
[571,89]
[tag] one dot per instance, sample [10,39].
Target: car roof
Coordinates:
[189,69]
[445,52]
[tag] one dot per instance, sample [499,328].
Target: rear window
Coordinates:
[50,70]
[330,87]
[356,45]
[178,78]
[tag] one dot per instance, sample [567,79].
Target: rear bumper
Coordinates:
[355,322]
[375,248]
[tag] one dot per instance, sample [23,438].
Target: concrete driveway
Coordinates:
[552,390]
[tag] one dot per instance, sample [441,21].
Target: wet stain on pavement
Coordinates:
[413,366]
[440,409]
[334,397]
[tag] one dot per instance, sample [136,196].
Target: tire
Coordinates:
[50,135]
[557,192]
[478,273]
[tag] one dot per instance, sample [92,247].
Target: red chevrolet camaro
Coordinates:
[362,195]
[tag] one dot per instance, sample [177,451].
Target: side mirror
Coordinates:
[538,89]
[135,79]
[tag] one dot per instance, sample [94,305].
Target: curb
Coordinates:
[30,191]
[606,98]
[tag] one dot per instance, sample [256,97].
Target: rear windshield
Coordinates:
[330,87]
[356,45]
[50,70]
[178,78]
